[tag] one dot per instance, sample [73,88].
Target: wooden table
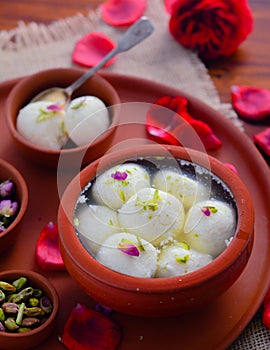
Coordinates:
[250,65]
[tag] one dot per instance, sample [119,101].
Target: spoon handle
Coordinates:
[139,31]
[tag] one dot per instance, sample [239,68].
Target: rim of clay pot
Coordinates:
[79,255]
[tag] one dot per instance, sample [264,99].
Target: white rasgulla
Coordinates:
[208,225]
[154,215]
[184,188]
[42,124]
[178,259]
[94,224]
[86,118]
[116,185]
[111,255]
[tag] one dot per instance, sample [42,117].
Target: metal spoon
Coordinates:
[139,31]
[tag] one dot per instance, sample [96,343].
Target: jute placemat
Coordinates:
[29,48]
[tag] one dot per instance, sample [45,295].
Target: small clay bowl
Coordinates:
[157,297]
[30,86]
[36,336]
[8,171]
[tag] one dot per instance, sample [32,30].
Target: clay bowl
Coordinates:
[37,335]
[8,171]
[30,86]
[157,296]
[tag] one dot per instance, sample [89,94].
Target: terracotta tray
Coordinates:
[213,327]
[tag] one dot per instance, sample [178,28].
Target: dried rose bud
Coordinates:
[8,208]
[6,188]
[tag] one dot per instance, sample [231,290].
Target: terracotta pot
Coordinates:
[30,86]
[36,336]
[8,171]
[156,296]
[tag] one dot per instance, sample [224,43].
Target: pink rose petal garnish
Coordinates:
[47,252]
[56,107]
[262,140]
[92,48]
[118,175]
[251,103]
[87,329]
[231,167]
[206,211]
[128,248]
[122,12]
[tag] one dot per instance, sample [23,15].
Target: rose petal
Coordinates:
[231,167]
[173,124]
[262,140]
[87,329]
[129,249]
[251,103]
[122,12]
[118,175]
[47,252]
[92,48]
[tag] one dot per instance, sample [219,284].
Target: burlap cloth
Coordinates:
[29,48]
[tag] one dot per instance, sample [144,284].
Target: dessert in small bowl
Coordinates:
[13,203]
[156,231]
[45,130]
[29,308]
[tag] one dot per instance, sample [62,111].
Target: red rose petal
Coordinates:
[262,140]
[251,103]
[91,49]
[87,329]
[173,124]
[266,317]
[122,12]
[47,252]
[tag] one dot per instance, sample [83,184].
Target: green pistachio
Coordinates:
[33,311]
[23,295]
[20,283]
[7,287]
[11,297]
[20,314]
[2,315]
[11,324]
[37,293]
[2,296]
[33,302]
[24,329]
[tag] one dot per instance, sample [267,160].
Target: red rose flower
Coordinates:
[212,27]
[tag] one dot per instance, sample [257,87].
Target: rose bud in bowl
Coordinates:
[13,203]
[156,231]
[45,130]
